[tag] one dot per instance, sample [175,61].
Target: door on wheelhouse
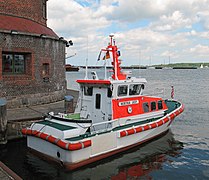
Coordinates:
[100,105]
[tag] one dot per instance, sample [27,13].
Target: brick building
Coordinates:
[32,56]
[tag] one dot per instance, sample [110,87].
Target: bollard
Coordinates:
[3,121]
[69,104]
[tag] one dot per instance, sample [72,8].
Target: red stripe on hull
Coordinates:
[160,123]
[139,129]
[154,125]
[130,131]
[166,119]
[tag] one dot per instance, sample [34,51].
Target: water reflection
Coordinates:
[138,162]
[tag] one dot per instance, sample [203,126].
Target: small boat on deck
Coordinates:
[112,115]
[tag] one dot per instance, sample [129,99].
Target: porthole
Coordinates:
[58,154]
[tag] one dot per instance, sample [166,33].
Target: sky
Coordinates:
[147,32]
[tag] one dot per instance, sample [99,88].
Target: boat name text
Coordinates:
[125,103]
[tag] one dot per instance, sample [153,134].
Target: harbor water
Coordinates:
[180,153]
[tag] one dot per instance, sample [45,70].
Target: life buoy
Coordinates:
[59,142]
[129,109]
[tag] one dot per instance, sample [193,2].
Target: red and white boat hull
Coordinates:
[74,154]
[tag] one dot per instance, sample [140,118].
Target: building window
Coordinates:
[153,106]
[146,107]
[45,70]
[122,90]
[14,63]
[98,101]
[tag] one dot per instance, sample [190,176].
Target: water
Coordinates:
[181,153]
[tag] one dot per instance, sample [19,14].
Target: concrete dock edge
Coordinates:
[6,173]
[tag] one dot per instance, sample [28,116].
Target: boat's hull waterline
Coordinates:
[76,153]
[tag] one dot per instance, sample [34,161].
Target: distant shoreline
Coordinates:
[161,66]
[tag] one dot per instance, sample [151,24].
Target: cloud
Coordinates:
[200,50]
[69,18]
[153,28]
[170,23]
[204,18]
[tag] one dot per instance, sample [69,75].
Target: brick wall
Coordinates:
[34,87]
[30,9]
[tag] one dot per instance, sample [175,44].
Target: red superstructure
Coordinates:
[117,74]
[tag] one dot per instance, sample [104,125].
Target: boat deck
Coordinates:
[56,125]
[172,105]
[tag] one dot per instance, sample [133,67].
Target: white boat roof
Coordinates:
[112,81]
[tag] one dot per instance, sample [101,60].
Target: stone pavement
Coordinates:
[37,112]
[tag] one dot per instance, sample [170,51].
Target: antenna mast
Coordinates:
[86,76]
[117,74]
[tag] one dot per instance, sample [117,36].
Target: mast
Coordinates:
[86,76]
[117,74]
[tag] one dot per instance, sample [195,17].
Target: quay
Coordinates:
[18,118]
[7,174]
[22,117]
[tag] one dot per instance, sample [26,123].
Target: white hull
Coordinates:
[102,145]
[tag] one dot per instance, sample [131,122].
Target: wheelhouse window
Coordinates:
[122,90]
[88,91]
[134,89]
[153,106]
[98,101]
[160,105]
[14,63]
[146,107]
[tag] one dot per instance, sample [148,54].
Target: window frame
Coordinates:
[122,94]
[146,105]
[131,90]
[88,90]
[45,69]
[151,106]
[161,102]
[15,62]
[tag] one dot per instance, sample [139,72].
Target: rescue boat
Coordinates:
[112,115]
